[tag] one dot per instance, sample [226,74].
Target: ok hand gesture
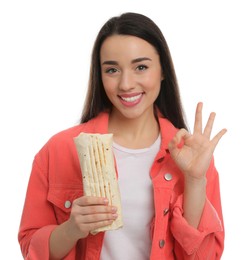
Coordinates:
[193,152]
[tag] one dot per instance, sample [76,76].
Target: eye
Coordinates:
[142,67]
[111,70]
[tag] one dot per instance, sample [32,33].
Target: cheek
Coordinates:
[152,82]
[109,86]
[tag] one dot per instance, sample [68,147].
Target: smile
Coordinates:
[131,99]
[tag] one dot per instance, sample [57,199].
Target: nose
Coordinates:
[126,81]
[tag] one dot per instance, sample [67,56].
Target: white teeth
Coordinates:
[131,99]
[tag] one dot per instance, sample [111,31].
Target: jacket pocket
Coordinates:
[61,196]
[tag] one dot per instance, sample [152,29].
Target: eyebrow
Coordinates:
[112,62]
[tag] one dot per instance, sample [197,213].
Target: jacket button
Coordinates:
[168,177]
[161,243]
[67,204]
[166,211]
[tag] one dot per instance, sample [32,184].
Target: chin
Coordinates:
[131,114]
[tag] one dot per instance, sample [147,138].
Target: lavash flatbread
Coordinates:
[98,171]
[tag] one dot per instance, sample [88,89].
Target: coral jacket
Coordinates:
[56,181]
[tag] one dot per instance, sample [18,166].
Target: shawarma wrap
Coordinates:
[98,171]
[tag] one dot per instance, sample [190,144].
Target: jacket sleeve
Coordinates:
[207,241]
[38,217]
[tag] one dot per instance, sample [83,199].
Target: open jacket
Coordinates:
[56,181]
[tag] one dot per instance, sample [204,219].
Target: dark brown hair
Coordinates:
[168,100]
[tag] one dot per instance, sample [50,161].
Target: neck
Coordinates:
[134,133]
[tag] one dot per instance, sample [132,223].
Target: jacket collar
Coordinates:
[167,131]
[99,124]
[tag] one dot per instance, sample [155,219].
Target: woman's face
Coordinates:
[131,74]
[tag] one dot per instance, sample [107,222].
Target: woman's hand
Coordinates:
[193,152]
[89,213]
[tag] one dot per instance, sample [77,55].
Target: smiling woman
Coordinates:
[167,179]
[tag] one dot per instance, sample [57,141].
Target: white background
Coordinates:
[45,51]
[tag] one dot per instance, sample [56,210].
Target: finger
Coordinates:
[88,227]
[97,225]
[198,118]
[88,210]
[90,200]
[177,141]
[209,125]
[98,217]
[217,137]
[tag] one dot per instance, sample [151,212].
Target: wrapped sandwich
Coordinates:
[98,171]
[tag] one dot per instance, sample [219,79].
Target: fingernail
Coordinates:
[113,209]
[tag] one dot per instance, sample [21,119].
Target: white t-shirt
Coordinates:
[133,240]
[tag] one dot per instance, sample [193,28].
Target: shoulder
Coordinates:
[64,138]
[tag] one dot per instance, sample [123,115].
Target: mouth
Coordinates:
[130,99]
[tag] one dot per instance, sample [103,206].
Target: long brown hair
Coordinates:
[168,100]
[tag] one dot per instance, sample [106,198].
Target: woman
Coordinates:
[167,178]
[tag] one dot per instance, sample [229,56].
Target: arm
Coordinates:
[36,225]
[194,200]
[193,153]
[40,235]
[197,216]
[207,240]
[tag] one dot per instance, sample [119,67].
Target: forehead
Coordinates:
[126,46]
